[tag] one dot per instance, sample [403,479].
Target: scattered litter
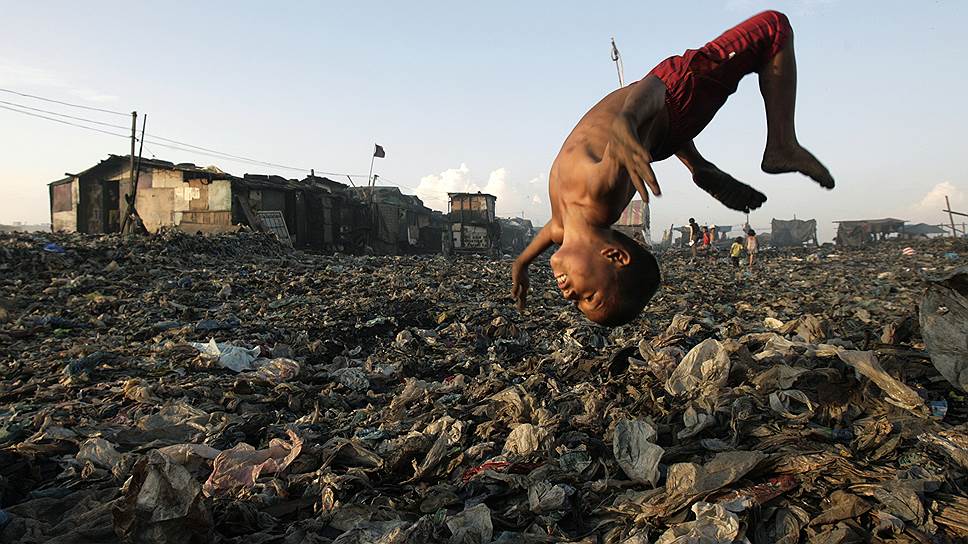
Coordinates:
[404,399]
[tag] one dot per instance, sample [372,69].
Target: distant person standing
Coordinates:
[752,246]
[694,237]
[736,251]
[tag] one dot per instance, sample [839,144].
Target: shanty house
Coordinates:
[473,222]
[195,199]
[168,195]
[793,232]
[516,233]
[921,230]
[397,223]
[856,233]
[634,222]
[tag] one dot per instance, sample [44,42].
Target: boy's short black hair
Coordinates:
[639,280]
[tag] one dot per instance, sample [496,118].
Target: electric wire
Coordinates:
[156,140]
[64,122]
[65,103]
[65,115]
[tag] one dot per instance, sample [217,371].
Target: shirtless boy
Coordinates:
[607,157]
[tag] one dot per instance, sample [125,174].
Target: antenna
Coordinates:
[619,67]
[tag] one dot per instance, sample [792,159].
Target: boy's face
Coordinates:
[588,278]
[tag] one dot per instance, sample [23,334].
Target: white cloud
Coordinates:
[513,197]
[928,209]
[21,77]
[933,201]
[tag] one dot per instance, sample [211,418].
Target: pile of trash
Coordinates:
[188,389]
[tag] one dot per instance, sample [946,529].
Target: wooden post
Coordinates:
[125,192]
[950,216]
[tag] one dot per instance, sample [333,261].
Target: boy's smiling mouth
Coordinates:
[561,279]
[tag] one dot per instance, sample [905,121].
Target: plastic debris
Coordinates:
[231,357]
[636,452]
[944,324]
[162,504]
[405,400]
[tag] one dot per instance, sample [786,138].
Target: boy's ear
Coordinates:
[617,256]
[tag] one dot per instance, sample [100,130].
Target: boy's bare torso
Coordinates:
[585,179]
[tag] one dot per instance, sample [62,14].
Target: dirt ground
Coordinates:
[405,399]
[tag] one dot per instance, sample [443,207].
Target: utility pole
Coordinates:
[951,216]
[127,189]
[619,66]
[134,131]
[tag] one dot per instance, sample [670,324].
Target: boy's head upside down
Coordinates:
[608,276]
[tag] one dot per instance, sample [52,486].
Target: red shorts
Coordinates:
[699,81]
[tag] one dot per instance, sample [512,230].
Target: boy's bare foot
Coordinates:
[796,159]
[723,187]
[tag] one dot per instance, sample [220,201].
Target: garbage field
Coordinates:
[189,389]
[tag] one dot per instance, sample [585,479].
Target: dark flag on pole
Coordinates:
[378,151]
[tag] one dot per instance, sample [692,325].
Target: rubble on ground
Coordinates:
[185,389]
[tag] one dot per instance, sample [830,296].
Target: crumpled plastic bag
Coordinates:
[183,454]
[231,357]
[545,497]
[240,466]
[278,370]
[99,452]
[687,479]
[865,363]
[779,376]
[375,532]
[472,526]
[695,422]
[704,368]
[944,326]
[353,378]
[792,404]
[841,505]
[449,433]
[525,439]
[162,504]
[713,525]
[633,445]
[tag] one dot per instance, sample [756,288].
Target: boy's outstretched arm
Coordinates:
[519,270]
[645,100]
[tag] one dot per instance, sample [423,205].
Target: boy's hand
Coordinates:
[519,284]
[624,147]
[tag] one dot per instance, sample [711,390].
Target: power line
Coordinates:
[63,115]
[65,103]
[154,139]
[64,122]
[237,157]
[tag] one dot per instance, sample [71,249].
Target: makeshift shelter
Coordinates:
[634,222]
[921,230]
[473,223]
[793,232]
[855,233]
[397,223]
[516,233]
[194,199]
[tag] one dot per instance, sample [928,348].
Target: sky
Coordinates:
[480,96]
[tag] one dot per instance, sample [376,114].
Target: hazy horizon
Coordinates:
[480,97]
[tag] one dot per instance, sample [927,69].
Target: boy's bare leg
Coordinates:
[778,85]
[722,186]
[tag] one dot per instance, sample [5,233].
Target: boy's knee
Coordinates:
[779,22]
[779,32]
